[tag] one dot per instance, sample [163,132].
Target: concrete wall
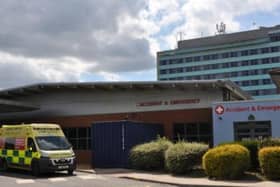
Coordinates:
[240,111]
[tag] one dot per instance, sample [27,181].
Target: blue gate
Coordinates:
[112,141]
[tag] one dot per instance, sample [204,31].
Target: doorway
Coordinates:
[252,130]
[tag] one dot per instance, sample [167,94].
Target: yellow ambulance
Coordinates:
[38,148]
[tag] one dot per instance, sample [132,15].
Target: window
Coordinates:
[163,71]
[254,62]
[214,56]
[196,58]
[233,64]
[179,61]
[244,53]
[245,63]
[265,50]
[245,73]
[275,38]
[174,70]
[179,70]
[274,49]
[225,65]
[246,83]
[252,130]
[225,55]
[268,92]
[253,72]
[80,138]
[188,69]
[254,82]
[189,59]
[233,54]
[266,81]
[9,143]
[197,68]
[265,61]
[264,71]
[206,67]
[193,132]
[163,62]
[253,51]
[275,59]
[233,74]
[214,66]
[206,57]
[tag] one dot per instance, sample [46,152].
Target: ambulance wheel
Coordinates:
[3,165]
[70,172]
[35,169]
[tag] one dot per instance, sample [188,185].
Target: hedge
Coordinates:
[182,157]
[269,142]
[269,158]
[226,161]
[253,147]
[149,156]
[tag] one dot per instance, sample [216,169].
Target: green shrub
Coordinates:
[149,156]
[269,142]
[269,158]
[253,147]
[183,157]
[226,161]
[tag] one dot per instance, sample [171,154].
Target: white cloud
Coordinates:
[64,40]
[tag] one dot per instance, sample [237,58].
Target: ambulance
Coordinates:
[38,148]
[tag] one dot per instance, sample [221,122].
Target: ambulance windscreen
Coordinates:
[53,143]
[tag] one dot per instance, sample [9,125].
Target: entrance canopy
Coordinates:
[7,106]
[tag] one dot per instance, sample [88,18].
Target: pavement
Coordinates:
[18,178]
[163,178]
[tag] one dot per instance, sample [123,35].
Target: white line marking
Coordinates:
[87,177]
[57,179]
[24,181]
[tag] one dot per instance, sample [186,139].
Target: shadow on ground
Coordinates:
[22,174]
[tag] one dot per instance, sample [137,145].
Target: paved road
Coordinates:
[20,178]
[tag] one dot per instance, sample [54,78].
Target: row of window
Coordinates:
[254,82]
[80,138]
[222,75]
[193,132]
[221,66]
[263,92]
[220,56]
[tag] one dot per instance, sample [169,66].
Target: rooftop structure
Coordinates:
[243,57]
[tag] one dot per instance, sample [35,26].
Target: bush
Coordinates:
[149,156]
[269,142]
[269,158]
[226,161]
[183,157]
[252,146]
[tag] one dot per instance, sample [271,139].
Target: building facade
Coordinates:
[235,121]
[182,108]
[245,58]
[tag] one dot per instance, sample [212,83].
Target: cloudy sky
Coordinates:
[109,40]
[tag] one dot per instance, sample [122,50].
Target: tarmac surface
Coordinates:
[24,179]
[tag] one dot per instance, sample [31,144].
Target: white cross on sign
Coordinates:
[219,109]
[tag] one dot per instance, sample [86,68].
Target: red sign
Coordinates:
[168,102]
[20,144]
[219,109]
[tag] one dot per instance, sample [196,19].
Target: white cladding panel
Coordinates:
[82,102]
